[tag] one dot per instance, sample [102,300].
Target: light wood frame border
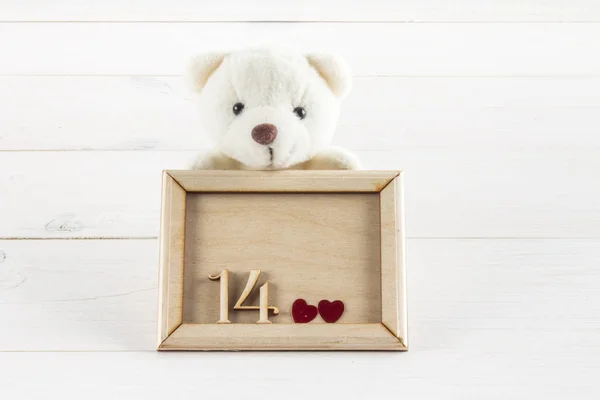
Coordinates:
[390,334]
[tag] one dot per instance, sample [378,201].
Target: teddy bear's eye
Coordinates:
[238,108]
[300,112]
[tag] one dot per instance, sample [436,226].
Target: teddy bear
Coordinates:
[271,110]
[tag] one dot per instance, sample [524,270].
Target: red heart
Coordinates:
[331,311]
[302,312]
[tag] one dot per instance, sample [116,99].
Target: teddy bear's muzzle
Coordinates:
[264,133]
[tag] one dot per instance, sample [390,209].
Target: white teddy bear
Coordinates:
[268,110]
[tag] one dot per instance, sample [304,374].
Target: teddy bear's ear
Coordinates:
[334,71]
[201,68]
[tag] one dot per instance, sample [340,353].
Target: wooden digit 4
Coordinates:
[263,307]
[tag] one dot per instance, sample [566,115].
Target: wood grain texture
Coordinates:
[172,250]
[480,192]
[451,49]
[78,295]
[159,113]
[393,262]
[282,337]
[494,307]
[495,124]
[308,10]
[310,246]
[427,375]
[282,181]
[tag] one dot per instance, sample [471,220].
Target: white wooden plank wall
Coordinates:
[492,108]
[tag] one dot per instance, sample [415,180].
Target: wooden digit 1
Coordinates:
[263,307]
[223,296]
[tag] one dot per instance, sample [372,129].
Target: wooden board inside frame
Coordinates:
[282,260]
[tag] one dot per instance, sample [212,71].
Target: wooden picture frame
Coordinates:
[362,209]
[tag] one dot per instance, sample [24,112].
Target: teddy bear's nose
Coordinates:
[264,133]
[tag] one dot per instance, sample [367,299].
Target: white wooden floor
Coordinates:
[492,109]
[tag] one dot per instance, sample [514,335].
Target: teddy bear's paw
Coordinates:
[214,160]
[334,158]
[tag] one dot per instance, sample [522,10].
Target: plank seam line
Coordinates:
[307,21]
[79,238]
[33,238]
[77,351]
[359,76]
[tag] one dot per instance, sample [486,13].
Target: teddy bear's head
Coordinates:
[267,109]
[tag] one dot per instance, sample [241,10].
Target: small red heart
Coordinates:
[331,311]
[302,312]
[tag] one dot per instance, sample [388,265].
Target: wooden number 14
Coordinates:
[263,307]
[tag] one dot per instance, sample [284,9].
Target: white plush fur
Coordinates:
[271,85]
